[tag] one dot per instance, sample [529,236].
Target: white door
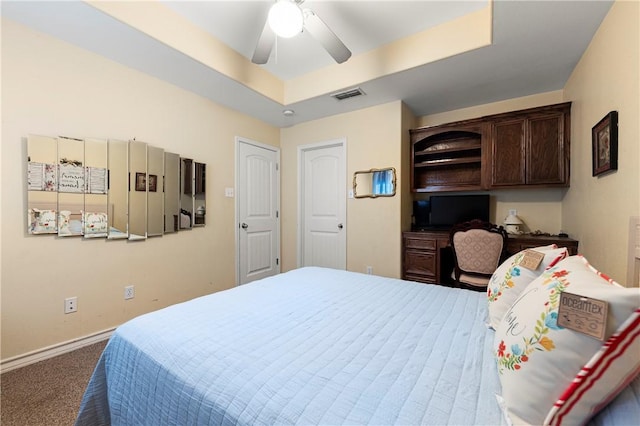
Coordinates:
[258,217]
[323,206]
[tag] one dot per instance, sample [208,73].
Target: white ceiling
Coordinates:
[536,45]
[361,25]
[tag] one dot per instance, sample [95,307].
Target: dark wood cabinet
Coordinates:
[518,243]
[526,148]
[447,158]
[530,147]
[422,255]
[507,153]
[427,256]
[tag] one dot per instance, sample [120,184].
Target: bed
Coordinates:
[310,346]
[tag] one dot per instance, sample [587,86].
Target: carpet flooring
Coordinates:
[47,392]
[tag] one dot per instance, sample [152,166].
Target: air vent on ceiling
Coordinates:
[349,93]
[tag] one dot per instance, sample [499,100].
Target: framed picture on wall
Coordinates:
[141,181]
[153,183]
[604,140]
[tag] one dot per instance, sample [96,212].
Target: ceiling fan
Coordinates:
[287,19]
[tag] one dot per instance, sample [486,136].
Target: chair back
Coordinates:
[478,248]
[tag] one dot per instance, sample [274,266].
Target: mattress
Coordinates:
[311,346]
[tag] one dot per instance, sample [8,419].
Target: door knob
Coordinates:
[244,225]
[340,226]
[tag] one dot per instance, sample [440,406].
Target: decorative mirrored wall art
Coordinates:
[111,189]
[199,194]
[171,192]
[71,186]
[118,189]
[137,190]
[42,185]
[95,213]
[155,188]
[186,193]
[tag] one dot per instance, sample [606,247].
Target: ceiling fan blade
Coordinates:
[321,32]
[265,44]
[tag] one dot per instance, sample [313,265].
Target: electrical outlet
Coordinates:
[129,292]
[70,305]
[369,270]
[513,212]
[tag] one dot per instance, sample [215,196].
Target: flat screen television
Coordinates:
[447,210]
[444,211]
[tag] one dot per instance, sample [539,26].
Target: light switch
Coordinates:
[228,192]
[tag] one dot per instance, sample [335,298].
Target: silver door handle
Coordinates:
[244,225]
[340,226]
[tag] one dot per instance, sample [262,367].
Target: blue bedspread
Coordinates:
[311,346]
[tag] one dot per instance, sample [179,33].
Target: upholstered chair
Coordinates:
[478,248]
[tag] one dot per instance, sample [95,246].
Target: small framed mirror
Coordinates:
[374,183]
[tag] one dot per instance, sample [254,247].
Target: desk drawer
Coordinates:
[421,263]
[420,243]
[515,245]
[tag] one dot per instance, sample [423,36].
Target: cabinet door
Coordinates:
[420,265]
[545,150]
[508,153]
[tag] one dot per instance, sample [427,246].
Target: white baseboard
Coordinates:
[53,350]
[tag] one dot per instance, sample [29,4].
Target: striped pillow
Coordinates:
[551,374]
[610,370]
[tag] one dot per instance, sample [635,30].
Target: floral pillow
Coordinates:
[94,224]
[64,222]
[42,221]
[551,374]
[510,279]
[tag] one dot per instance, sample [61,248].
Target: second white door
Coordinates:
[323,239]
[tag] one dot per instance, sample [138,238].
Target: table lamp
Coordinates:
[513,222]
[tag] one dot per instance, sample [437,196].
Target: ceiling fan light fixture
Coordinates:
[285,18]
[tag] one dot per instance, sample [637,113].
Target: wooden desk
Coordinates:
[518,243]
[427,256]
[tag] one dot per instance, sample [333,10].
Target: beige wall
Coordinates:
[52,88]
[597,209]
[373,138]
